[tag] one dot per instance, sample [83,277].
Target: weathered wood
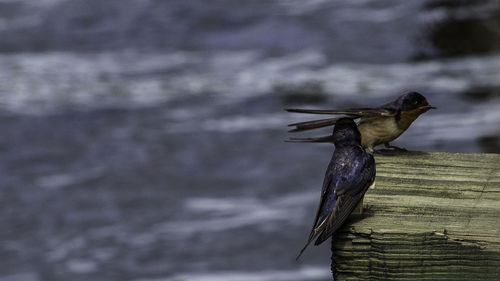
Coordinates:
[431,216]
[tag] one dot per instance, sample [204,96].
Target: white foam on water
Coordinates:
[57,181]
[81,266]
[246,123]
[222,214]
[358,10]
[23,276]
[43,82]
[62,249]
[303,273]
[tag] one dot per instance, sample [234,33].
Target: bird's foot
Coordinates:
[393,147]
[389,149]
[384,152]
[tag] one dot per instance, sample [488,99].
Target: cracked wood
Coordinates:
[432,216]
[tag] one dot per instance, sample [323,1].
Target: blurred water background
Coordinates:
[143,140]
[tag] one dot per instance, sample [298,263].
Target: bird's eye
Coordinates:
[415,102]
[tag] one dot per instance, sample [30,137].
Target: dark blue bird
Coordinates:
[349,175]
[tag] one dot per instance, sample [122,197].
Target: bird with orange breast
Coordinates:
[378,125]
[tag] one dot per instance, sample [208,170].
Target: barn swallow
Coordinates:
[379,125]
[349,175]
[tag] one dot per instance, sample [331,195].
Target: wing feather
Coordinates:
[344,207]
[350,191]
[352,112]
[362,111]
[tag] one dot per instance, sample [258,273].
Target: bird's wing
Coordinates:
[357,112]
[343,187]
[350,189]
[358,172]
[344,207]
[351,112]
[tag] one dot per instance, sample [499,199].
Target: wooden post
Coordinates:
[431,216]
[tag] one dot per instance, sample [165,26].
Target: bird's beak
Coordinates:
[428,106]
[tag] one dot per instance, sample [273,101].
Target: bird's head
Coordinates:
[346,132]
[413,101]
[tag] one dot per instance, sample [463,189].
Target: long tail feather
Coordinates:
[328,139]
[314,232]
[345,206]
[303,249]
[314,124]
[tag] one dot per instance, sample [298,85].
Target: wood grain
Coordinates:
[431,216]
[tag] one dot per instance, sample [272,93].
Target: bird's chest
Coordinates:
[407,117]
[379,130]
